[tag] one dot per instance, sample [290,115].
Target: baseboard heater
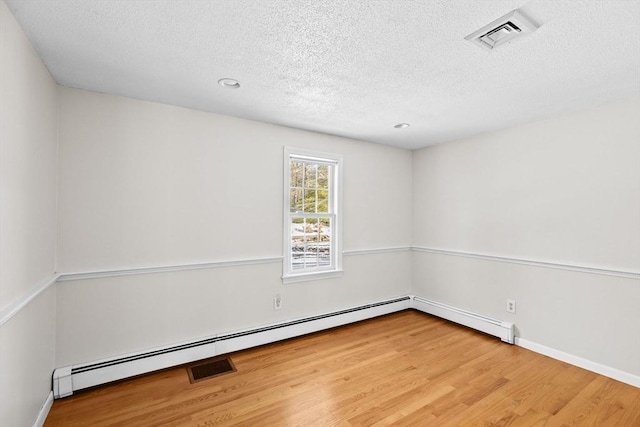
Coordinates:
[68,379]
[498,328]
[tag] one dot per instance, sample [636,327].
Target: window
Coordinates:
[312,219]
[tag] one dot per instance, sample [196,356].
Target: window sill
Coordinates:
[305,277]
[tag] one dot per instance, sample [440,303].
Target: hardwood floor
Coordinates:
[406,369]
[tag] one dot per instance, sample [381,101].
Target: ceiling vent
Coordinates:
[503,30]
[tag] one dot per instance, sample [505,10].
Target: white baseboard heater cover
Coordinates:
[68,379]
[498,328]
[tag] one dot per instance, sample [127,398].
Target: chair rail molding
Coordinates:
[531,262]
[14,307]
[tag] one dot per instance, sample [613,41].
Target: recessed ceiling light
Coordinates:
[229,83]
[402,125]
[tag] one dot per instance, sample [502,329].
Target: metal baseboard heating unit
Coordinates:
[68,379]
[498,328]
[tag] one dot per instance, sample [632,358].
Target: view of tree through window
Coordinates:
[311,214]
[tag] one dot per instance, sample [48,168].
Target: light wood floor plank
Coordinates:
[404,369]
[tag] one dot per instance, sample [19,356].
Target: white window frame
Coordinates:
[335,191]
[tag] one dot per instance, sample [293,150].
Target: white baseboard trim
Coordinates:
[44,411]
[495,327]
[69,379]
[589,365]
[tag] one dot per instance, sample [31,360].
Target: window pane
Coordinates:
[311,230]
[324,247]
[295,200]
[312,237]
[310,200]
[297,243]
[310,171]
[311,256]
[297,169]
[325,227]
[297,230]
[324,255]
[323,176]
[297,259]
[323,201]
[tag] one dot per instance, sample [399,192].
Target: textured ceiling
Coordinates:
[350,68]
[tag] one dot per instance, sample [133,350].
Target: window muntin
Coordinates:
[312,220]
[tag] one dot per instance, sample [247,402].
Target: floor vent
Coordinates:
[204,370]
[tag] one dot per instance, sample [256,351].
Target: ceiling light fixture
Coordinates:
[229,83]
[402,125]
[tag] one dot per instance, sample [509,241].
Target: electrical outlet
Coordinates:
[511,306]
[277,302]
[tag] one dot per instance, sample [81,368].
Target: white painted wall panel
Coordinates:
[28,144]
[150,184]
[27,351]
[565,190]
[593,316]
[107,317]
[28,153]
[144,184]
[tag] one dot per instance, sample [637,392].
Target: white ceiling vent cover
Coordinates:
[502,30]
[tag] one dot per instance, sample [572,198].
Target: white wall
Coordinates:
[565,190]
[28,153]
[145,184]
